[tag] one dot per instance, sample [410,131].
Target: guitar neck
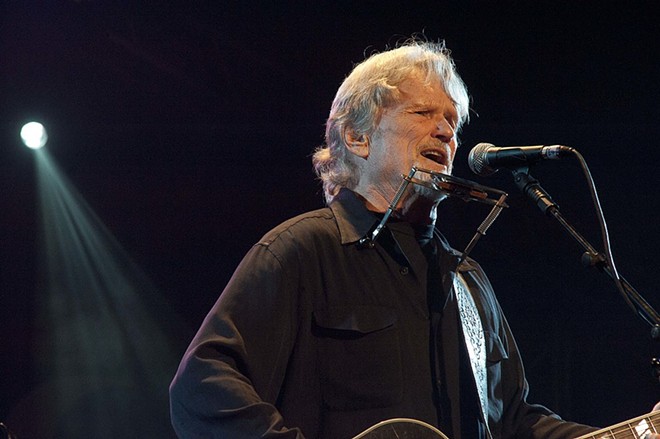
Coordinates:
[633,429]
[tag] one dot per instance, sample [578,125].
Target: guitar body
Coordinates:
[401,428]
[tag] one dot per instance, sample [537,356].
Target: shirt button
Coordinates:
[404,270]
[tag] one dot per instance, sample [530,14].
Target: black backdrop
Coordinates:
[188,128]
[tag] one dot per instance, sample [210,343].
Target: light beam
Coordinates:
[104,333]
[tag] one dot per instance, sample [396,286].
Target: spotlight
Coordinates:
[34,135]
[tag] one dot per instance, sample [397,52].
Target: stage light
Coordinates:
[34,135]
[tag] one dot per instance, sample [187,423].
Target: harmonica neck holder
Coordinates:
[450,186]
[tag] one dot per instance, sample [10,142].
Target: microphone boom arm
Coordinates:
[531,187]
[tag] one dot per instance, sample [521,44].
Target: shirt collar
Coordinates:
[353,218]
[355,221]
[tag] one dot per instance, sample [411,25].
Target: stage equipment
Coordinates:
[450,186]
[33,135]
[604,261]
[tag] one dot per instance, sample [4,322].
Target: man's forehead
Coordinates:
[417,90]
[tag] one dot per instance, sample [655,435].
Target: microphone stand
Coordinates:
[591,258]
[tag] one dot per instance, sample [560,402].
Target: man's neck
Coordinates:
[412,208]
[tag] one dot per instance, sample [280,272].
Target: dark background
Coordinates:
[188,128]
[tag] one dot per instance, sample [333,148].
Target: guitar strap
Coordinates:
[475,342]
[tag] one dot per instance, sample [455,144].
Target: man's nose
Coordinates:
[443,130]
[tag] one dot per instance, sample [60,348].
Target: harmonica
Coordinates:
[461,188]
[452,186]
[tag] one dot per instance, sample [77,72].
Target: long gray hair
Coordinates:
[366,91]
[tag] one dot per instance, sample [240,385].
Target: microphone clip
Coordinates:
[532,189]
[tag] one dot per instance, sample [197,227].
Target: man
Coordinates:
[318,336]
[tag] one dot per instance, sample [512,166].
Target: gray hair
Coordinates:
[366,91]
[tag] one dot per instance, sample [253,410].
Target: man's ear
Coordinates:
[357,144]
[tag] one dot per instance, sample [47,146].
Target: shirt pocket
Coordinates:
[495,349]
[359,359]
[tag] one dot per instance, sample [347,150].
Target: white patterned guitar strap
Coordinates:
[474,341]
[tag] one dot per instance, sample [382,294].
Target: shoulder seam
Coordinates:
[318,214]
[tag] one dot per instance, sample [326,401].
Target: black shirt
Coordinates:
[316,337]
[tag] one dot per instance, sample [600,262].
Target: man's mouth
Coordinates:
[435,156]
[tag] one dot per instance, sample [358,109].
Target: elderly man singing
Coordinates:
[320,336]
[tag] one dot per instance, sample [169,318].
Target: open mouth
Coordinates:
[435,156]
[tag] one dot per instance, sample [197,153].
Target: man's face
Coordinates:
[419,130]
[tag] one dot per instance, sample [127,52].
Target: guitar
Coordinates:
[635,428]
[403,428]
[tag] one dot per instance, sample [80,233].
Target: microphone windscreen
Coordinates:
[477,160]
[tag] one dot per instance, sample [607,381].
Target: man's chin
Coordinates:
[428,192]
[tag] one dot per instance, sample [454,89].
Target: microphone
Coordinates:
[486,158]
